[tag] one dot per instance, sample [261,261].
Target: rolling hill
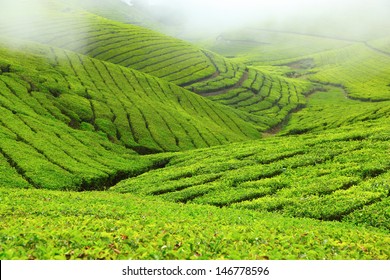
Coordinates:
[119,142]
[253,91]
[65,92]
[360,67]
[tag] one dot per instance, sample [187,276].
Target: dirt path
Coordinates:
[277,128]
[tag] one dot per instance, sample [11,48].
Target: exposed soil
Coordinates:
[276,129]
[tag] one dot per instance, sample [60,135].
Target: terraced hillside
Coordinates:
[326,176]
[361,69]
[127,45]
[267,98]
[333,108]
[45,91]
[118,142]
[58,225]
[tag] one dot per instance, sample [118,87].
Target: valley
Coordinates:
[118,141]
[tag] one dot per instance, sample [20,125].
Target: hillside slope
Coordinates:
[91,226]
[363,71]
[118,142]
[47,94]
[360,67]
[266,98]
[324,176]
[131,46]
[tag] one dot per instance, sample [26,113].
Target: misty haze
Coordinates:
[195,130]
[349,19]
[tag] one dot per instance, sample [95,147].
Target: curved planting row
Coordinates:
[118,226]
[327,110]
[47,99]
[127,45]
[126,105]
[363,72]
[267,97]
[229,75]
[326,176]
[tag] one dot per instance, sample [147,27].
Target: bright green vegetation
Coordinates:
[118,142]
[42,153]
[332,109]
[123,44]
[268,98]
[362,68]
[363,71]
[324,176]
[128,106]
[39,224]
[56,106]
[227,75]
[250,90]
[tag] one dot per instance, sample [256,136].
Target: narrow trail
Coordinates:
[348,96]
[277,128]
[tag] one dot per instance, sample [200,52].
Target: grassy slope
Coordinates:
[265,98]
[119,43]
[332,109]
[66,119]
[325,176]
[362,68]
[362,71]
[262,46]
[48,94]
[39,224]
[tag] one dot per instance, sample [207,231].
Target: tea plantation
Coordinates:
[119,142]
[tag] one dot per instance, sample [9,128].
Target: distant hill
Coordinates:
[120,142]
[265,98]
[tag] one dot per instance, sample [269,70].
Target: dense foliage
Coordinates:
[118,142]
[39,224]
